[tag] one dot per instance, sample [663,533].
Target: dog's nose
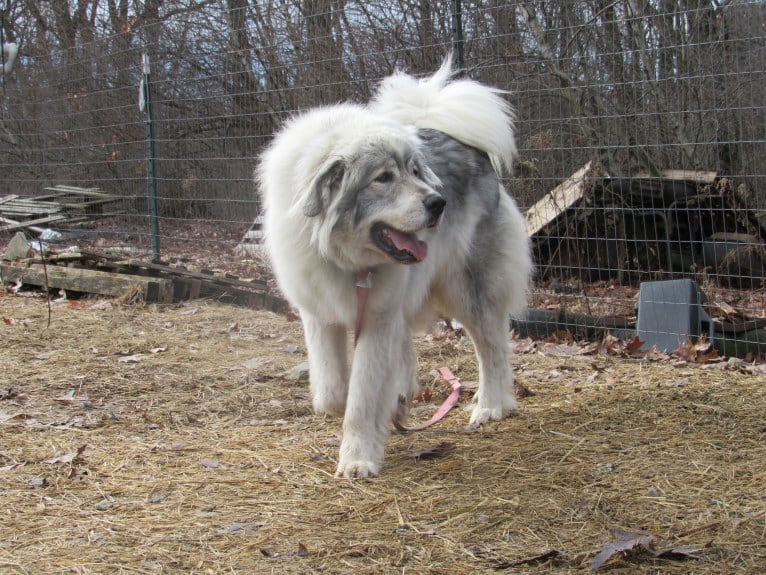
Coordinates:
[434,205]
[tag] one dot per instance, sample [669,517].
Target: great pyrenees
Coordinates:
[406,188]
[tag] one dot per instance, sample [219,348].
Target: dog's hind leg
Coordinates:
[495,398]
[328,365]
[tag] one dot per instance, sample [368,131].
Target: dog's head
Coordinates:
[373,200]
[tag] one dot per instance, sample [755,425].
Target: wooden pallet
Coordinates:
[89,281]
[62,205]
[93,273]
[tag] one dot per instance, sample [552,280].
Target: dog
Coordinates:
[406,188]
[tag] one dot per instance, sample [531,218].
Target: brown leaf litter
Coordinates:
[204,458]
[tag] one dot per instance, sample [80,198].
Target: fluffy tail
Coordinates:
[466,110]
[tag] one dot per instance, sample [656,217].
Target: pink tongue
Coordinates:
[408,243]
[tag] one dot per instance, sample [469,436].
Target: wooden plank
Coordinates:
[31,224]
[237,296]
[79,189]
[137,265]
[87,205]
[89,281]
[28,209]
[60,190]
[253,294]
[8,198]
[701,177]
[64,258]
[557,201]
[36,229]
[25,202]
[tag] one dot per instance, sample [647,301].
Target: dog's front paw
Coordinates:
[357,469]
[360,455]
[481,412]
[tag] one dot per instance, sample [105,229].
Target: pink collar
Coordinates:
[363,286]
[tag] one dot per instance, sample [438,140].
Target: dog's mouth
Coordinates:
[402,247]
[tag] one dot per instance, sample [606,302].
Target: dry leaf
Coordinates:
[157,497]
[103,505]
[10,394]
[255,362]
[527,345]
[12,321]
[67,457]
[439,450]
[590,348]
[682,551]
[68,398]
[624,541]
[633,347]
[5,417]
[726,308]
[302,551]
[697,352]
[244,528]
[270,554]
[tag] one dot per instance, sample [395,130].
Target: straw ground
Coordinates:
[149,439]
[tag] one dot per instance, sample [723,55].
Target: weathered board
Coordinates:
[156,282]
[557,201]
[88,281]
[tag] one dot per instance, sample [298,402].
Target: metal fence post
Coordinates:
[457,36]
[145,103]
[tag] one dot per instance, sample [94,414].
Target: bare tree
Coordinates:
[640,85]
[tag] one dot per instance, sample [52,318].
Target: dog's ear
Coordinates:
[429,177]
[324,186]
[426,173]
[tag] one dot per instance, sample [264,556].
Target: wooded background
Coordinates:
[634,86]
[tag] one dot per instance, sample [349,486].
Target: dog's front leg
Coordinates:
[381,362]
[328,365]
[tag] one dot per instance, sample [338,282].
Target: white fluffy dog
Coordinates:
[406,188]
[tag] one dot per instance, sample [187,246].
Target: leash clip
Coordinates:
[364,279]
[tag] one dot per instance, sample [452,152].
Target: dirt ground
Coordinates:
[167,439]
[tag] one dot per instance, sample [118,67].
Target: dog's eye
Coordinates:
[385,178]
[416,171]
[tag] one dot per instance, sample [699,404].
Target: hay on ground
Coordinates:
[166,439]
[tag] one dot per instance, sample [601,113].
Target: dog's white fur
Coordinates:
[335,173]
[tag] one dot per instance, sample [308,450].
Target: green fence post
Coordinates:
[146,107]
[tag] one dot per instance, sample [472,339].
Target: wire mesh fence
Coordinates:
[642,155]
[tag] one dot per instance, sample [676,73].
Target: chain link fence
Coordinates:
[642,156]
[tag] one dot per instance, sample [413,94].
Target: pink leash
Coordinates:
[363,286]
[448,404]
